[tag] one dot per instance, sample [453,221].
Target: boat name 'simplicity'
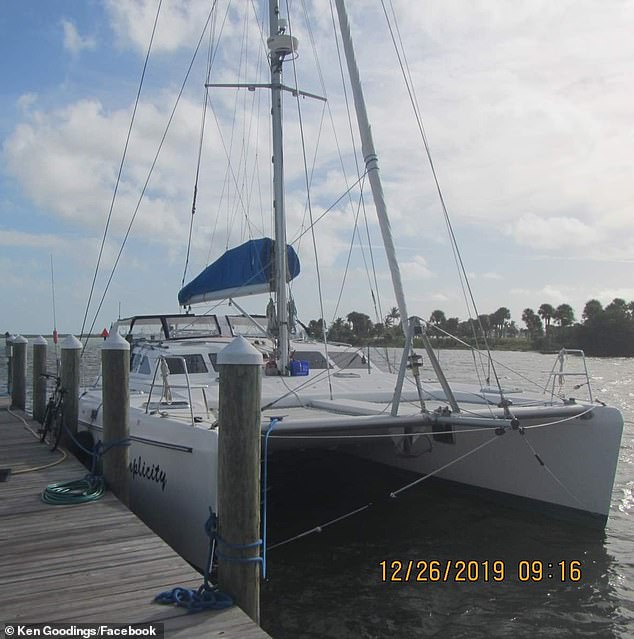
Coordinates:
[138,467]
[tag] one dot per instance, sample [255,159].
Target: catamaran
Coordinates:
[536,449]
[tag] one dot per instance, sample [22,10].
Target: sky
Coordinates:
[527,109]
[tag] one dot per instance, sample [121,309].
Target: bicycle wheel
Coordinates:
[55,432]
[46,423]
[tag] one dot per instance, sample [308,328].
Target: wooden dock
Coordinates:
[90,563]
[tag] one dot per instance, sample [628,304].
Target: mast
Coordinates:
[372,168]
[280,46]
[372,163]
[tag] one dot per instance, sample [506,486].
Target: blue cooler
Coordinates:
[299,368]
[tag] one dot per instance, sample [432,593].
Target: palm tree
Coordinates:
[392,317]
[564,315]
[361,323]
[438,318]
[547,313]
[533,322]
[592,310]
[499,318]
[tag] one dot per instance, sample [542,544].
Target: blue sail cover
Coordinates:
[244,270]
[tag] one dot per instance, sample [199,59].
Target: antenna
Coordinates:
[54,317]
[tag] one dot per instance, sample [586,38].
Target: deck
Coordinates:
[90,563]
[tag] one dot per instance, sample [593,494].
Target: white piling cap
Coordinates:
[71,343]
[240,351]
[114,342]
[18,339]
[40,341]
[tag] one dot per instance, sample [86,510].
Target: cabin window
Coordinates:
[213,358]
[349,360]
[314,358]
[144,367]
[195,364]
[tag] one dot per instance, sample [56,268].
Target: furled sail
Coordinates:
[244,270]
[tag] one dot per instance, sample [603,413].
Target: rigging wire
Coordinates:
[400,53]
[55,340]
[234,178]
[210,59]
[309,201]
[475,352]
[222,192]
[147,181]
[329,209]
[340,155]
[355,230]
[118,180]
[376,299]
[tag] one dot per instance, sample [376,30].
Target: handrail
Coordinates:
[189,391]
[561,374]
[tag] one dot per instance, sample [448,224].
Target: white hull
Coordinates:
[172,477]
[566,469]
[173,465]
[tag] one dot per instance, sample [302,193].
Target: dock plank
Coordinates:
[95,562]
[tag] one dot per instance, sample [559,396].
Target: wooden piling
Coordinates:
[239,474]
[69,374]
[115,371]
[18,373]
[40,347]
[8,352]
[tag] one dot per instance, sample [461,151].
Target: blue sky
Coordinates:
[527,107]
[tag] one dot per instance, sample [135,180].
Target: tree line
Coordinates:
[602,331]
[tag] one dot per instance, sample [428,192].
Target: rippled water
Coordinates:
[329,585]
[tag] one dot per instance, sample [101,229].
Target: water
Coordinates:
[329,585]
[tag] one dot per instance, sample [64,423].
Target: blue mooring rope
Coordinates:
[272,425]
[208,596]
[205,598]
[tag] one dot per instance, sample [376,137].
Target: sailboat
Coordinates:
[533,449]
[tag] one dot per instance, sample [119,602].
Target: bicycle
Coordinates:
[53,422]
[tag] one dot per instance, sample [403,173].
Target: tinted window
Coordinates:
[314,358]
[195,364]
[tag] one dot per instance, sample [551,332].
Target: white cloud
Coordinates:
[526,109]
[523,292]
[26,101]
[80,250]
[73,41]
[416,269]
[10,237]
[180,23]
[552,233]
[608,294]
[66,161]
[554,295]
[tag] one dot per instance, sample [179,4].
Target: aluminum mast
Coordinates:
[372,168]
[280,45]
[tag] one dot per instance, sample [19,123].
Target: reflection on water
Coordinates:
[329,584]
